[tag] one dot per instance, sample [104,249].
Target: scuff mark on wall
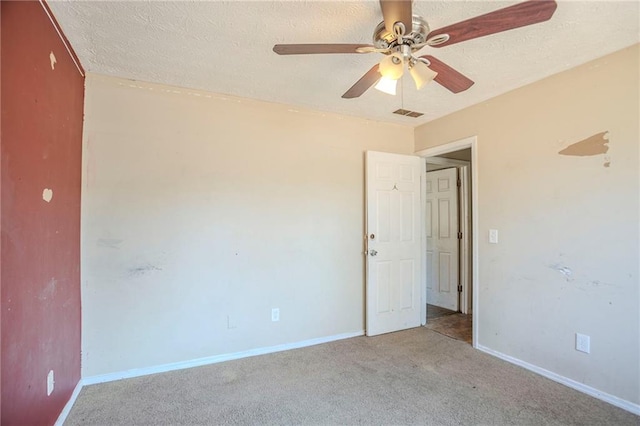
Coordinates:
[109,243]
[52,59]
[144,269]
[563,270]
[598,283]
[593,145]
[47,194]
[49,290]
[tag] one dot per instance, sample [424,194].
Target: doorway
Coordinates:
[449,284]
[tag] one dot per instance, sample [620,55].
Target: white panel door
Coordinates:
[394,222]
[441,228]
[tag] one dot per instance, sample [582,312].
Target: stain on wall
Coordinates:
[593,145]
[143,269]
[112,243]
[42,111]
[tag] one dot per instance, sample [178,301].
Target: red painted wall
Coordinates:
[42,114]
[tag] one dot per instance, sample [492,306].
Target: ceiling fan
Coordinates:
[402,34]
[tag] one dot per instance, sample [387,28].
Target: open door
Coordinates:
[443,238]
[394,232]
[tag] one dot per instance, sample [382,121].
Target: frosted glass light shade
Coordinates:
[390,69]
[387,85]
[421,74]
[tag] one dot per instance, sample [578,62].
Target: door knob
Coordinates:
[373,252]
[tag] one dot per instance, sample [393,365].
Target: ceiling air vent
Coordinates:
[408,113]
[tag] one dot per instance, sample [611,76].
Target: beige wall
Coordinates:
[202,213]
[568,255]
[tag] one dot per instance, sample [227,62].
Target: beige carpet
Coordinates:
[410,377]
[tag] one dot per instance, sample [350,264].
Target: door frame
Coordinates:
[469,142]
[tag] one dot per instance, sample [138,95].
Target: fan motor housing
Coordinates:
[383,39]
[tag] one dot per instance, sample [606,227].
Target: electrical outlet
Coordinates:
[50,383]
[583,343]
[275,314]
[493,236]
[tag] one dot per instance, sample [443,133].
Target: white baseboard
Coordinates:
[136,372]
[603,396]
[67,408]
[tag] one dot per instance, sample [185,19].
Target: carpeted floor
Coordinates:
[411,377]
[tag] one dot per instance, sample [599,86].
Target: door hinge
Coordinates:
[459,183]
[459,289]
[459,235]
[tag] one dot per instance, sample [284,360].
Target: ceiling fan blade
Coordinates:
[447,76]
[365,82]
[306,49]
[519,15]
[397,11]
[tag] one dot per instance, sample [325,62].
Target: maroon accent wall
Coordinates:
[41,144]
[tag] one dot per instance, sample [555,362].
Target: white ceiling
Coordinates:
[225,47]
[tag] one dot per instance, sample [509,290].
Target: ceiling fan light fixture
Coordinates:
[387,85]
[401,34]
[392,66]
[421,74]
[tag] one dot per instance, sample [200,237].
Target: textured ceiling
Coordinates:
[225,47]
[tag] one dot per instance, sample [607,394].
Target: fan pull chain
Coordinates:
[402,92]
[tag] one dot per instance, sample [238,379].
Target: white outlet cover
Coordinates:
[583,343]
[50,383]
[493,236]
[275,314]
